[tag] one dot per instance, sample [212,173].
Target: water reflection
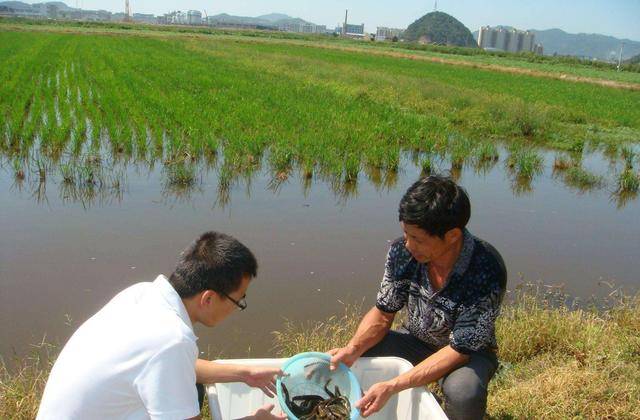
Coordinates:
[622,199]
[319,237]
[90,180]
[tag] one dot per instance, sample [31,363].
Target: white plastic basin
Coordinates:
[235,400]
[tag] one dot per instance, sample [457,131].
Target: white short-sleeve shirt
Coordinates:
[134,359]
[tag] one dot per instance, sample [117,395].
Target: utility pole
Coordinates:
[435,6]
[620,56]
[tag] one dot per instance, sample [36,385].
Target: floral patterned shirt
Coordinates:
[461,314]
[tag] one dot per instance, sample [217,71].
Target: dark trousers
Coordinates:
[200,389]
[465,388]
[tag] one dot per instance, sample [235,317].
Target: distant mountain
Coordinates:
[602,47]
[18,5]
[440,28]
[273,19]
[61,6]
[598,46]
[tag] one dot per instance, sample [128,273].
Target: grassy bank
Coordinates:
[557,361]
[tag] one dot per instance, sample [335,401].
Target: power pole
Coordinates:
[435,6]
[620,56]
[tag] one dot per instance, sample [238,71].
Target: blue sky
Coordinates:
[619,18]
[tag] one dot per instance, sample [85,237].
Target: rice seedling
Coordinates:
[628,157]
[41,169]
[18,170]
[628,181]
[562,163]
[426,166]
[581,179]
[351,169]
[486,152]
[306,170]
[68,174]
[525,163]
[181,175]
[461,149]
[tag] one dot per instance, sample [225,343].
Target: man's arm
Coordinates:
[264,413]
[373,327]
[208,372]
[429,370]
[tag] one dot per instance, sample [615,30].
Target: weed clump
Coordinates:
[181,175]
[487,152]
[628,181]
[582,179]
[526,163]
[561,163]
[528,120]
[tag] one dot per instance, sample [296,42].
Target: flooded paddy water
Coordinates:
[65,250]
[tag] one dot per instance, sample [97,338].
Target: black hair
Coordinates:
[214,261]
[436,204]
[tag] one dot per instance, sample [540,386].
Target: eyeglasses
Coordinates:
[241,304]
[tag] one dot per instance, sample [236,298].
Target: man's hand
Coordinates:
[375,398]
[265,413]
[263,378]
[347,355]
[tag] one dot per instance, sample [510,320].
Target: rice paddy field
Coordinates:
[120,143]
[176,100]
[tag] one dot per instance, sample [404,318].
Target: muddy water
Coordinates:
[61,259]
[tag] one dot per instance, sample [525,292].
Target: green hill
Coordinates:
[440,28]
[634,60]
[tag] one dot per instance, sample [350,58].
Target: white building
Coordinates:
[175,18]
[194,17]
[511,40]
[304,28]
[383,33]
[144,18]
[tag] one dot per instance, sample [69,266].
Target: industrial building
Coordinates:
[354,31]
[511,40]
[383,33]
[304,28]
[194,17]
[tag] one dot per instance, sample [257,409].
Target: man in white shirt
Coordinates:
[137,357]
